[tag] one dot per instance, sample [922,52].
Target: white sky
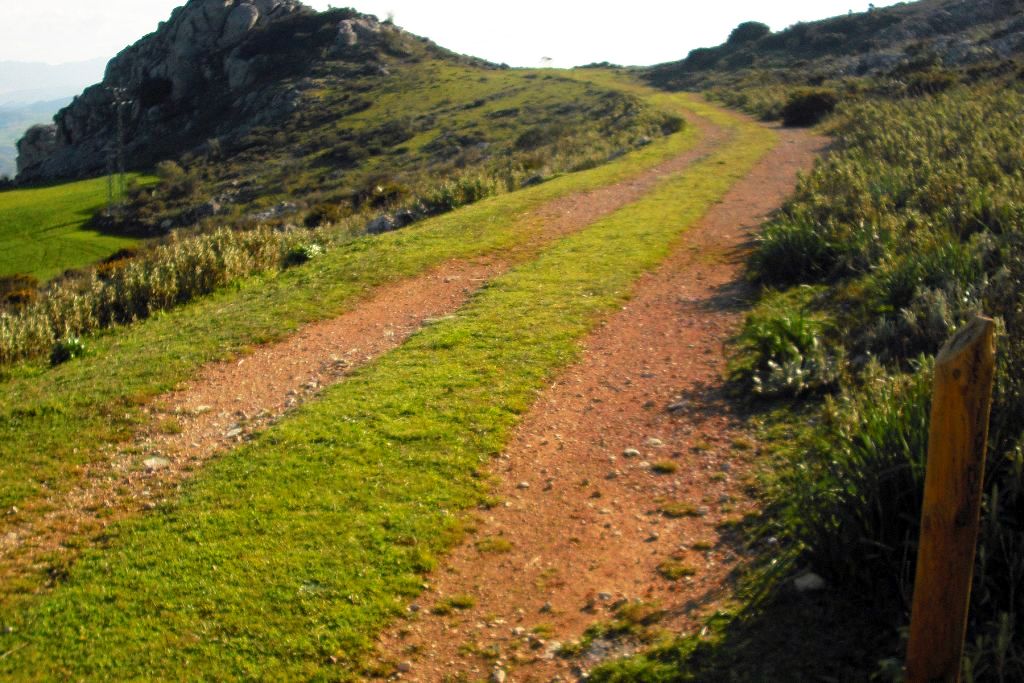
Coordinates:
[520,32]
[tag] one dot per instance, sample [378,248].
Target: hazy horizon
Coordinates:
[569,33]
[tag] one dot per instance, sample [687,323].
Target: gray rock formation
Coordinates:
[180,83]
[350,31]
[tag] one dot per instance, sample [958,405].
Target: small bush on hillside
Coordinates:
[809,106]
[169,171]
[704,58]
[794,249]
[930,82]
[324,214]
[539,136]
[748,32]
[115,262]
[379,192]
[783,351]
[347,155]
[67,349]
[302,253]
[458,192]
[18,290]
[672,125]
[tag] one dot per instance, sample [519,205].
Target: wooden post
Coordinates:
[957,443]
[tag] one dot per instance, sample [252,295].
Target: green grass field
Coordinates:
[43,233]
[299,547]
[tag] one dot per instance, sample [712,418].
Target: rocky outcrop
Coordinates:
[212,67]
[39,141]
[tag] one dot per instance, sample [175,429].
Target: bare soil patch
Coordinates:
[631,467]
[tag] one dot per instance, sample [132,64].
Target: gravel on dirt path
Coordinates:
[629,468]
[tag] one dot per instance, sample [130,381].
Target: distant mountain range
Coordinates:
[30,82]
[32,93]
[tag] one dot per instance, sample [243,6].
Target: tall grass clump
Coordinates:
[786,350]
[167,276]
[860,480]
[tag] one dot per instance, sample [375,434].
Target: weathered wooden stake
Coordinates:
[957,442]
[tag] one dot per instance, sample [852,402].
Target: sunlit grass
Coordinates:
[43,230]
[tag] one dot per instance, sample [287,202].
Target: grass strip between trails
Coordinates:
[53,420]
[284,559]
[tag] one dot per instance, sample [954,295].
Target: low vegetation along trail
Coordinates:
[229,402]
[621,483]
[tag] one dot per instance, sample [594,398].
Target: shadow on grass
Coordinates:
[786,636]
[771,632]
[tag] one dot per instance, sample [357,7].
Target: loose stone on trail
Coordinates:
[156,464]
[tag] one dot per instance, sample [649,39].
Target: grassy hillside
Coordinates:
[375,154]
[408,143]
[372,137]
[387,459]
[127,365]
[43,231]
[906,50]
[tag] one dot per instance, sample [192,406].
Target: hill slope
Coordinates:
[295,116]
[980,35]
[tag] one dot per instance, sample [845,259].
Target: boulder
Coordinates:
[37,145]
[351,31]
[381,224]
[240,21]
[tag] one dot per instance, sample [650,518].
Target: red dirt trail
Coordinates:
[583,527]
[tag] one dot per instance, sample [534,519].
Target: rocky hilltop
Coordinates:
[215,67]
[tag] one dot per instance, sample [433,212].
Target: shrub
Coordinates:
[792,249]
[672,125]
[808,106]
[539,136]
[18,290]
[169,171]
[347,155]
[748,32]
[458,192]
[783,352]
[324,214]
[703,58]
[302,253]
[930,82]
[164,277]
[67,349]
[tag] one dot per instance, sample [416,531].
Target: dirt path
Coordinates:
[228,403]
[632,462]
